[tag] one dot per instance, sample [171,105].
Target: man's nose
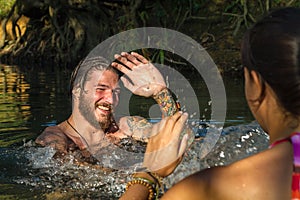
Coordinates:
[108,96]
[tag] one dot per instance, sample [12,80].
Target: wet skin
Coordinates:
[99,97]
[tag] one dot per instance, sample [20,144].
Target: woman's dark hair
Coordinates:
[272,48]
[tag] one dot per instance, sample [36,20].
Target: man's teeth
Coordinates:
[103,108]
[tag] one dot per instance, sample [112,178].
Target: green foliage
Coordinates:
[70,29]
[5,6]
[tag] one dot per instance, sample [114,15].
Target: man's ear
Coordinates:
[76,92]
[254,85]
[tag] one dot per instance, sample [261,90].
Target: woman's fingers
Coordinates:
[167,131]
[165,126]
[171,121]
[175,124]
[183,145]
[180,124]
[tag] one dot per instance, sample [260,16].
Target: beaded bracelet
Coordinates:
[158,179]
[151,186]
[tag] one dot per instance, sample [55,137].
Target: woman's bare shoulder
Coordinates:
[244,178]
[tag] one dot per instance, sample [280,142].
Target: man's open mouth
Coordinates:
[104,106]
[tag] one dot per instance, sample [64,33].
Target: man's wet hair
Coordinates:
[89,64]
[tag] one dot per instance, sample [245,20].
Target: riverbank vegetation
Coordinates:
[59,34]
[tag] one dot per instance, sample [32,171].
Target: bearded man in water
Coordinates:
[95,94]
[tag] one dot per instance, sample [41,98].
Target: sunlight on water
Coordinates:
[13,97]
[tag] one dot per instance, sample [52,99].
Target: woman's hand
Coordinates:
[166,146]
[141,77]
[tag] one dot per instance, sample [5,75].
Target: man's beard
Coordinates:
[87,109]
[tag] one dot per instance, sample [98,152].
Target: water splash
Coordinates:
[63,177]
[235,143]
[58,179]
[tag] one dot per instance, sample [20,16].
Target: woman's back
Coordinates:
[267,175]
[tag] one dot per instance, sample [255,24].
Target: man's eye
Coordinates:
[100,89]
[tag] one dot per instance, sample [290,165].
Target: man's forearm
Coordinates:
[166,102]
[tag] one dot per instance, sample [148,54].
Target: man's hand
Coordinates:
[141,77]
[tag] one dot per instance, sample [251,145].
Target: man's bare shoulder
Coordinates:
[53,136]
[135,126]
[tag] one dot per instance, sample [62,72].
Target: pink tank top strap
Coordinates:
[295,139]
[296,186]
[288,139]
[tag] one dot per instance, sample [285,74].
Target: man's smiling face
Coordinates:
[99,97]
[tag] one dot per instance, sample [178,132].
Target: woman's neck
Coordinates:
[283,130]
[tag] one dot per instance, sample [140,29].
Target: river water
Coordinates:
[32,100]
